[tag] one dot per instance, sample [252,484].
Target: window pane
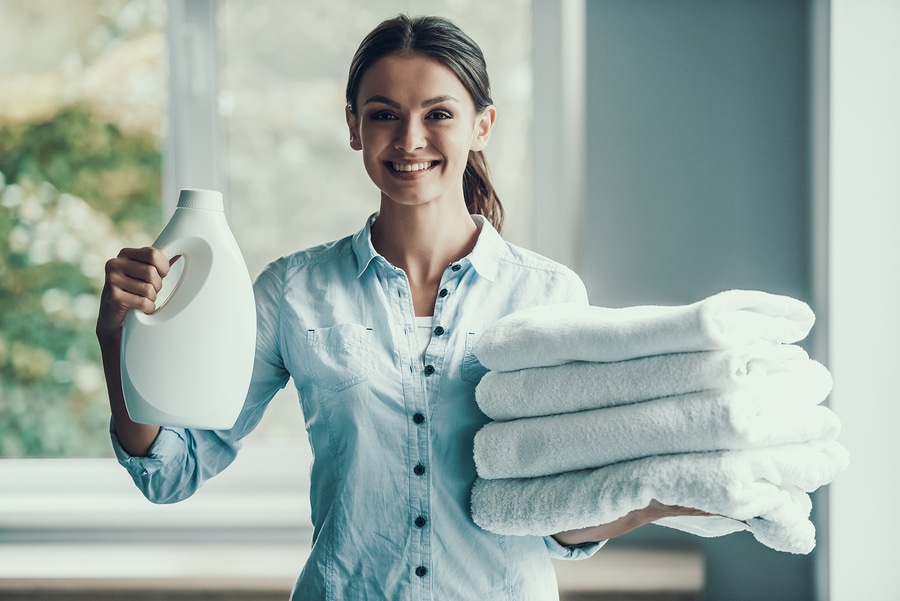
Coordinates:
[82,111]
[293,179]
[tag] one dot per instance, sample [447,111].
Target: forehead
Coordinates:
[409,77]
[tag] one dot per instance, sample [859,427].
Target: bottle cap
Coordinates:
[197,198]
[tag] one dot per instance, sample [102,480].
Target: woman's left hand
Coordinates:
[630,521]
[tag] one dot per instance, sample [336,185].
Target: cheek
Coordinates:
[372,165]
[460,145]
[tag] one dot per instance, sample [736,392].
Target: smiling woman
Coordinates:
[389,414]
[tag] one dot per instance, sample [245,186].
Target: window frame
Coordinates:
[73,500]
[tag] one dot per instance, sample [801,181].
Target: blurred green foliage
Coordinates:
[71,191]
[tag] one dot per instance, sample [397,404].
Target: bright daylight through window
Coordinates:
[83,125]
[82,115]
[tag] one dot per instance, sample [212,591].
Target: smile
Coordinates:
[408,167]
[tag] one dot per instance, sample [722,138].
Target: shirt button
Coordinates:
[419,470]
[444,292]
[429,369]
[420,522]
[438,331]
[421,571]
[456,267]
[418,418]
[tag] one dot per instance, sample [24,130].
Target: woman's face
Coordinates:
[415,125]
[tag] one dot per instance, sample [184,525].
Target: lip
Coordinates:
[410,169]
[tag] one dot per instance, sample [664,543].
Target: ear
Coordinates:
[484,124]
[355,142]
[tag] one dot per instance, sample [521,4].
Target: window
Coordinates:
[83,128]
[82,115]
[94,143]
[91,158]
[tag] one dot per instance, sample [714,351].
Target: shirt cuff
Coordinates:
[581,551]
[168,444]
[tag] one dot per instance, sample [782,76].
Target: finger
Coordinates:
[143,282]
[117,302]
[149,256]
[146,264]
[133,276]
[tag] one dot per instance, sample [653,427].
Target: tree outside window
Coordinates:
[83,121]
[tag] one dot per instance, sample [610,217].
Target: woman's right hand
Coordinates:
[133,279]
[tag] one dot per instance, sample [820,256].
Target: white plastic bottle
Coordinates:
[189,363]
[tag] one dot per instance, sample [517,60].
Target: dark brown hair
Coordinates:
[441,40]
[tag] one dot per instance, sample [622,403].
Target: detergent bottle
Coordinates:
[188,364]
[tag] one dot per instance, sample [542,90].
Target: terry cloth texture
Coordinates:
[589,385]
[778,410]
[764,487]
[557,334]
[598,411]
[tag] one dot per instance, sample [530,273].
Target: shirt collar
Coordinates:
[485,257]
[362,246]
[489,248]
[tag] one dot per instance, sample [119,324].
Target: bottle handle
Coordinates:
[177,262]
[185,279]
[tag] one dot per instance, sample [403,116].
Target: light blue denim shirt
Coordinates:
[391,431]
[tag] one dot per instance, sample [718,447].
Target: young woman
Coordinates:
[378,332]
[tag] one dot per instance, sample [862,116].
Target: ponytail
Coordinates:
[481,198]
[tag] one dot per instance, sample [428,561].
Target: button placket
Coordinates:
[416,402]
[431,370]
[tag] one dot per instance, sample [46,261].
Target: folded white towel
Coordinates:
[786,528]
[557,334]
[780,409]
[588,385]
[743,485]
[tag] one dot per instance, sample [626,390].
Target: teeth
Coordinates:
[410,166]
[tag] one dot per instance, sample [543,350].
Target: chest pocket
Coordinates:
[340,356]
[472,369]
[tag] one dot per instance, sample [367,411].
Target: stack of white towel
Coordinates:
[710,405]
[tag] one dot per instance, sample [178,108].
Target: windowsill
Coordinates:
[67,526]
[270,568]
[50,500]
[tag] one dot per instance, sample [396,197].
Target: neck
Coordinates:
[423,239]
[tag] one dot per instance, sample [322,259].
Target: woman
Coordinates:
[378,332]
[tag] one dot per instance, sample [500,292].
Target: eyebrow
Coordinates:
[425,103]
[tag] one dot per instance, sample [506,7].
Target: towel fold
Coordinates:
[754,485]
[556,334]
[786,528]
[781,409]
[586,385]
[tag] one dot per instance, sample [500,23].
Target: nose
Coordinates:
[410,136]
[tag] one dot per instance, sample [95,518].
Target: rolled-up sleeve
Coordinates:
[180,460]
[152,473]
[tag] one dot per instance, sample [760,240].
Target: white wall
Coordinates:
[864,292]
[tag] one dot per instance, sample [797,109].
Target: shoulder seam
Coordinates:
[318,254]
